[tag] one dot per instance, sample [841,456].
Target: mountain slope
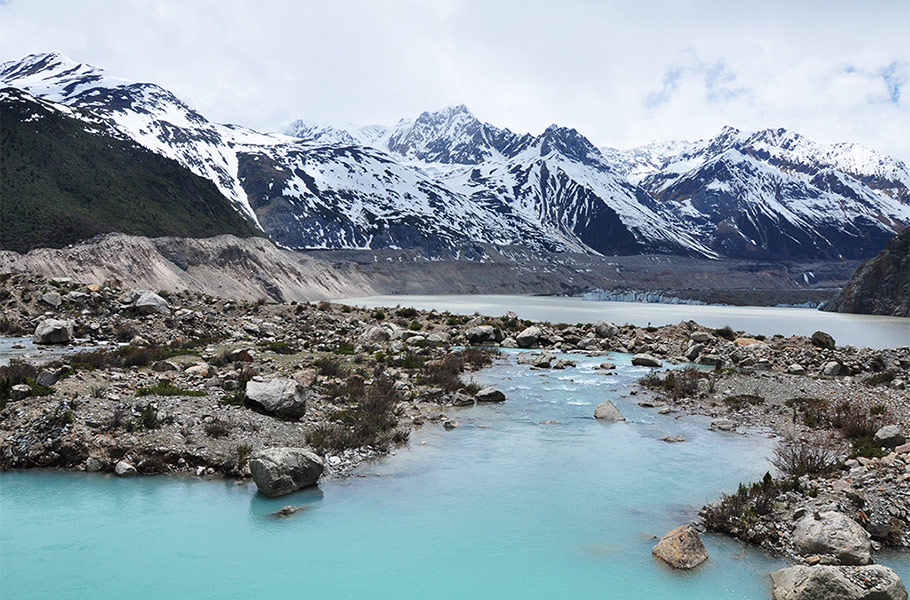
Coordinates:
[67,176]
[881,285]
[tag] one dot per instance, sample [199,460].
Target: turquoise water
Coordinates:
[501,507]
[871,331]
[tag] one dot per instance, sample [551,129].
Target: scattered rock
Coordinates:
[723,425]
[673,439]
[831,368]
[46,378]
[280,471]
[605,329]
[20,391]
[873,582]
[529,337]
[52,299]
[890,436]
[796,369]
[607,411]
[646,360]
[150,302]
[681,548]
[480,334]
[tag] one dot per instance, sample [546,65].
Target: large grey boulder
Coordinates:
[280,471]
[607,411]
[541,360]
[835,533]
[529,337]
[822,339]
[124,469]
[149,302]
[480,334]
[605,329]
[53,331]
[890,436]
[873,582]
[489,394]
[282,397]
[52,299]
[681,548]
[646,360]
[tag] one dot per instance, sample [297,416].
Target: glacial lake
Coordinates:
[503,506]
[859,330]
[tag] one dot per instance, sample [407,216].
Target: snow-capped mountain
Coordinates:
[774,193]
[446,179]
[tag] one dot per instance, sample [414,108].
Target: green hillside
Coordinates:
[63,179]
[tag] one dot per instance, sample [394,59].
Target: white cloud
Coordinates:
[622,73]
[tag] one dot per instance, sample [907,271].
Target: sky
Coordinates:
[623,73]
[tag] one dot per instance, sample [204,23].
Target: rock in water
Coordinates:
[280,471]
[646,360]
[489,395]
[150,302]
[682,548]
[890,436]
[53,331]
[873,582]
[822,340]
[607,411]
[834,533]
[289,510]
[282,397]
[124,469]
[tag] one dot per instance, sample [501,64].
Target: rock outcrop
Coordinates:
[280,471]
[873,582]
[881,285]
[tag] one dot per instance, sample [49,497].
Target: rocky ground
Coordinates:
[192,383]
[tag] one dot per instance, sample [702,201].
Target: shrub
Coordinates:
[378,315]
[217,428]
[809,456]
[867,447]
[15,373]
[883,378]
[149,417]
[168,389]
[742,400]
[676,384]
[278,347]
[406,313]
[854,422]
[726,332]
[330,367]
[735,511]
[243,454]
[415,326]
[369,421]
[345,348]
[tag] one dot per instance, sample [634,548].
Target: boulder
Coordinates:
[646,360]
[377,334]
[835,533]
[607,411]
[280,471]
[20,391]
[702,337]
[529,337]
[53,331]
[822,340]
[541,360]
[46,378]
[694,350]
[489,394]
[281,397]
[605,329]
[796,369]
[439,339]
[480,334]
[509,342]
[801,582]
[150,302]
[681,548]
[890,436]
[124,469]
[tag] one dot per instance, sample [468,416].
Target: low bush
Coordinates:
[743,400]
[369,419]
[813,455]
[168,389]
[734,512]
[676,384]
[217,428]
[726,332]
[406,313]
[330,367]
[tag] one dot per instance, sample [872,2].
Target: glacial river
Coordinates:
[503,506]
[859,330]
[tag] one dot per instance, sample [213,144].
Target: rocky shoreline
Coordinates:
[195,384]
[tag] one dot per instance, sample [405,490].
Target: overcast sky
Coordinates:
[622,73]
